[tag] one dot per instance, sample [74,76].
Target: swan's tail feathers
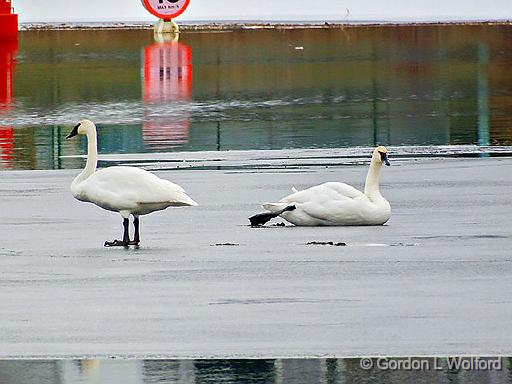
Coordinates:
[191,203]
[183,201]
[262,218]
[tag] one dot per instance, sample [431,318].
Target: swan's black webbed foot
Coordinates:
[126,237]
[261,218]
[116,243]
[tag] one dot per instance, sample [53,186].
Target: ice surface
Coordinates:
[435,280]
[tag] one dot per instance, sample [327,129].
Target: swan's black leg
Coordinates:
[136,236]
[126,237]
[126,233]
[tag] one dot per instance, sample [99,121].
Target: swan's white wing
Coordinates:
[323,193]
[334,211]
[326,203]
[317,194]
[126,187]
[343,189]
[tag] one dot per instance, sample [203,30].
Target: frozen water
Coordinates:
[434,280]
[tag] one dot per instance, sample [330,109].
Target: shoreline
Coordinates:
[237,26]
[264,159]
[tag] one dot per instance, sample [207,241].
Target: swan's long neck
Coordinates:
[371,187]
[92,157]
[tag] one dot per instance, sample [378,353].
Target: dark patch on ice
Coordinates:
[340,244]
[225,245]
[462,237]
[275,300]
[278,225]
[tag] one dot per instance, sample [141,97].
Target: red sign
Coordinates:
[166,9]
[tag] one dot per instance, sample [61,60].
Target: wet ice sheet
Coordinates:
[433,281]
[290,157]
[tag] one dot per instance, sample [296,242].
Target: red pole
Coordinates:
[8,48]
[8,21]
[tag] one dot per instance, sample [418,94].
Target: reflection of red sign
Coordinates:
[8,50]
[167,72]
[6,145]
[167,91]
[166,9]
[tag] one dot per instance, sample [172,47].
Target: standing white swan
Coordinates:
[127,190]
[334,203]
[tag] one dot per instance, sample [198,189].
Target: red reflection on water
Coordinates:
[167,79]
[8,49]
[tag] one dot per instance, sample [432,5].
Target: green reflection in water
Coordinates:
[306,88]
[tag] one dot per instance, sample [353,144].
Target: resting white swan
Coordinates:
[334,203]
[127,190]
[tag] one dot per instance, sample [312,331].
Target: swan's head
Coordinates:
[82,128]
[380,155]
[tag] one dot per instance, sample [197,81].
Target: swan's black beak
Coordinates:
[384,158]
[74,132]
